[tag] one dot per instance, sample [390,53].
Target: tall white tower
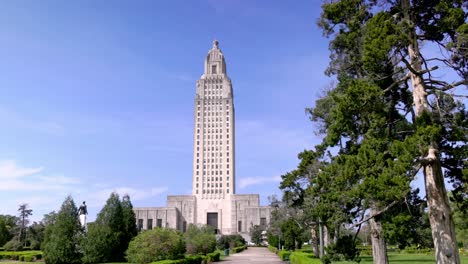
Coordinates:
[214,132]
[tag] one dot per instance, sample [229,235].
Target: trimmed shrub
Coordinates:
[230,241]
[196,259]
[13,245]
[303,257]
[200,239]
[28,258]
[157,244]
[213,257]
[170,261]
[284,255]
[239,249]
[273,249]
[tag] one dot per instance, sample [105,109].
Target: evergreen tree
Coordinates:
[61,238]
[108,237]
[24,214]
[129,219]
[376,52]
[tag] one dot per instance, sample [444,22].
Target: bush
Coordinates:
[284,255]
[28,258]
[154,245]
[171,261]
[230,241]
[213,257]
[197,259]
[273,249]
[200,240]
[239,249]
[13,245]
[344,249]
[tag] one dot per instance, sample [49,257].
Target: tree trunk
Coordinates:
[314,239]
[326,236]
[440,217]
[322,253]
[379,249]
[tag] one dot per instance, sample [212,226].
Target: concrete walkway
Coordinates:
[257,255]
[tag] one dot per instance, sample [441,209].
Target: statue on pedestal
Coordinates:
[82,212]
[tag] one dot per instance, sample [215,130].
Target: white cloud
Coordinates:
[100,197]
[10,170]
[17,178]
[249,181]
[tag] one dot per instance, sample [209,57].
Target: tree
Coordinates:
[380,43]
[108,237]
[156,244]
[61,238]
[24,214]
[256,234]
[200,239]
[8,228]
[129,221]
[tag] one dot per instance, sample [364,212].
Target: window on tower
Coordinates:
[213,69]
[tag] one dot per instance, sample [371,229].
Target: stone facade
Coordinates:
[213,200]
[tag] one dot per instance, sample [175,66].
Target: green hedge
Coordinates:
[238,249]
[213,257]
[273,249]
[196,259]
[26,256]
[284,254]
[303,257]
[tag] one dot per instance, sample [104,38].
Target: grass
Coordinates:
[404,259]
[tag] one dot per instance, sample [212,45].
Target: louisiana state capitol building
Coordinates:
[214,200]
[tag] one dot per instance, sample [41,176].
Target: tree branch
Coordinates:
[376,213]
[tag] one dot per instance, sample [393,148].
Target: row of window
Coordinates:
[212,103]
[213,108]
[214,178]
[212,119]
[213,154]
[212,131]
[149,223]
[212,125]
[212,160]
[211,113]
[212,185]
[216,172]
[213,191]
[213,142]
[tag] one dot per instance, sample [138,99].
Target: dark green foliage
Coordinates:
[156,244]
[129,221]
[13,245]
[108,237]
[256,234]
[61,238]
[4,234]
[291,234]
[230,241]
[8,228]
[200,239]
[238,249]
[213,257]
[407,224]
[284,255]
[344,249]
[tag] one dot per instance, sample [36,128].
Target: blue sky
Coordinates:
[97,96]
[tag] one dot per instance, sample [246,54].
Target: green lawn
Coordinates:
[404,259]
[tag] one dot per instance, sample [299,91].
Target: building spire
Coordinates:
[215,44]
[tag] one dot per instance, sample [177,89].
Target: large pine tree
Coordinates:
[376,51]
[61,238]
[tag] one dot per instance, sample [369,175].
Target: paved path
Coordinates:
[257,255]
